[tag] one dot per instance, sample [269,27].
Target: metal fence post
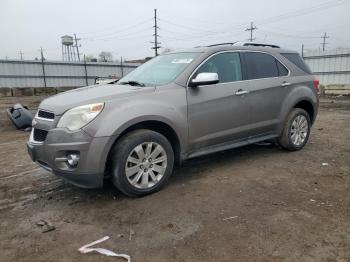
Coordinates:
[86,76]
[43,67]
[121,66]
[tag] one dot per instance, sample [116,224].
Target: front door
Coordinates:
[218,113]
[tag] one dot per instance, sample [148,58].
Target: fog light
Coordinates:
[73,159]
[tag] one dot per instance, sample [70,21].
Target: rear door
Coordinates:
[216,114]
[268,81]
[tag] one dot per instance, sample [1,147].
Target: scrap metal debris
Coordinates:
[87,249]
[46,226]
[131,233]
[20,116]
[229,218]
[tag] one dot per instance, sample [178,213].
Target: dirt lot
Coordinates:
[280,206]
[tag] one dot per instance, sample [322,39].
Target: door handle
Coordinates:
[285,84]
[241,92]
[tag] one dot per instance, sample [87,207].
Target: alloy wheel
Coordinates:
[146,165]
[299,130]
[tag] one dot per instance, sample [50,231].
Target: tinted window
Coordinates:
[282,70]
[260,65]
[298,61]
[226,65]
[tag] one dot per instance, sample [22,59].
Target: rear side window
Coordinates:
[227,65]
[298,61]
[282,70]
[260,65]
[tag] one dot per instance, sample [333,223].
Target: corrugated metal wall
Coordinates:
[24,73]
[331,67]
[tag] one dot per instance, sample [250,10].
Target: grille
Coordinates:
[46,114]
[39,135]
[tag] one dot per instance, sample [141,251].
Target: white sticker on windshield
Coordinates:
[182,60]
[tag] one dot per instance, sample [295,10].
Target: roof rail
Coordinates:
[256,44]
[242,44]
[221,44]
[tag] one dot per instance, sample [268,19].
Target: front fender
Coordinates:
[169,107]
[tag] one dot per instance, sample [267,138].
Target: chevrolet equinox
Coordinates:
[177,106]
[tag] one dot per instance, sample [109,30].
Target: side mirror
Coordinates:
[204,79]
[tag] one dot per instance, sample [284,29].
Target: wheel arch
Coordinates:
[308,107]
[159,126]
[303,97]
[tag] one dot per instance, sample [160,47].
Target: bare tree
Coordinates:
[90,58]
[105,56]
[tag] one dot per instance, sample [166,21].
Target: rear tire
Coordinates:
[296,130]
[142,162]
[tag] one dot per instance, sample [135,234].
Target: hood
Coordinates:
[91,94]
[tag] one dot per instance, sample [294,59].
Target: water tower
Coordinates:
[68,52]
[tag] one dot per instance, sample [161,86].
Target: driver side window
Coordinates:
[227,65]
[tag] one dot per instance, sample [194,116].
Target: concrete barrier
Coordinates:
[6,91]
[27,91]
[337,90]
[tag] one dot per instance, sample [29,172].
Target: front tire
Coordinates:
[142,162]
[296,130]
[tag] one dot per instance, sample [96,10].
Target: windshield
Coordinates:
[160,70]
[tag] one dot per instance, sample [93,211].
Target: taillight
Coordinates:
[316,84]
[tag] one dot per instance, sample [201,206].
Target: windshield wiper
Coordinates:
[132,83]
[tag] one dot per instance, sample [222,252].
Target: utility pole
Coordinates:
[43,67]
[324,37]
[251,29]
[156,43]
[121,66]
[85,70]
[302,50]
[77,46]
[21,55]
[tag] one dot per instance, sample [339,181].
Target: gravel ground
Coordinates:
[256,203]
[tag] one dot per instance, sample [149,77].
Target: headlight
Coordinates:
[78,117]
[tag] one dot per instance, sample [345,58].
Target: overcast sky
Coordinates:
[125,27]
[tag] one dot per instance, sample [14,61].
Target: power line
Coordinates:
[304,11]
[251,29]
[324,37]
[211,33]
[272,19]
[118,37]
[185,26]
[156,43]
[288,35]
[268,20]
[127,28]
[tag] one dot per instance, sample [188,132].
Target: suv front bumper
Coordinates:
[92,152]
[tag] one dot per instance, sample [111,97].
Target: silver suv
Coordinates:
[175,107]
